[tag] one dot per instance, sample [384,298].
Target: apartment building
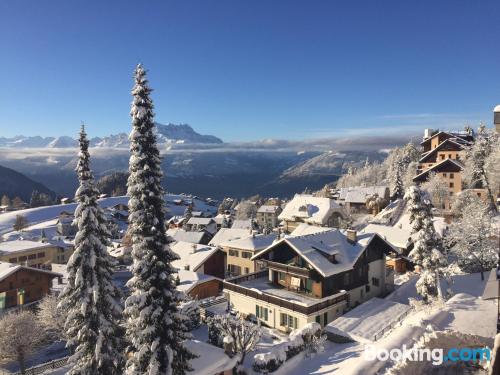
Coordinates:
[35,254]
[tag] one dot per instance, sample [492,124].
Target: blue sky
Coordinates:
[246,70]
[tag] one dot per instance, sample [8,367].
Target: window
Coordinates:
[261,312]
[444,174]
[308,286]
[449,156]
[186,267]
[318,319]
[247,270]
[233,253]
[32,256]
[246,254]
[478,194]
[22,259]
[367,288]
[452,184]
[288,321]
[281,276]
[13,260]
[325,318]
[375,281]
[452,175]
[347,278]
[442,157]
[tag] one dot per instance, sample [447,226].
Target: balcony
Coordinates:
[293,270]
[256,285]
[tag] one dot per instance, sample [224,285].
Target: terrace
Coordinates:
[257,285]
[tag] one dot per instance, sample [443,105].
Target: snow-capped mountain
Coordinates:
[167,134]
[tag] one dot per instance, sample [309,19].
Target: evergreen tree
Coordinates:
[6,201]
[188,213]
[427,249]
[397,188]
[155,328]
[90,299]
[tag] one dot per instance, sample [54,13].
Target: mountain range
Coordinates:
[14,184]
[166,134]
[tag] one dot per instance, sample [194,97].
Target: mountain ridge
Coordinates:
[166,135]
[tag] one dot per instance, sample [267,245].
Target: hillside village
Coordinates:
[402,252]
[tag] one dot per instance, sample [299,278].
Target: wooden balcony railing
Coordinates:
[294,270]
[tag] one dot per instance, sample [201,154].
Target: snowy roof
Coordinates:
[397,235]
[190,254]
[268,209]
[200,221]
[312,248]
[311,209]
[7,269]
[459,143]
[304,228]
[189,279]
[497,108]
[368,320]
[453,162]
[228,234]
[360,194]
[181,235]
[242,224]
[219,219]
[455,134]
[254,243]
[210,359]
[21,245]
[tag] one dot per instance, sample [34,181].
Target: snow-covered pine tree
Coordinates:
[481,164]
[397,189]
[155,329]
[90,300]
[188,213]
[427,248]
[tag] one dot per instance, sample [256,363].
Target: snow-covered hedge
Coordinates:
[309,337]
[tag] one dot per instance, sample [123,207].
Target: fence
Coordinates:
[40,369]
[387,328]
[204,313]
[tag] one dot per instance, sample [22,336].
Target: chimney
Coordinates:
[194,247]
[496,118]
[352,236]
[428,133]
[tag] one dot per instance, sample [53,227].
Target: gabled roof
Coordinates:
[242,224]
[333,242]
[228,234]
[254,243]
[463,135]
[182,235]
[189,279]
[7,269]
[191,254]
[313,210]
[361,194]
[304,228]
[200,221]
[446,163]
[453,142]
[22,245]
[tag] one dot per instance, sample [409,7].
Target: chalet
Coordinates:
[223,220]
[196,224]
[355,198]
[204,259]
[267,216]
[198,285]
[17,280]
[305,208]
[239,253]
[176,221]
[312,278]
